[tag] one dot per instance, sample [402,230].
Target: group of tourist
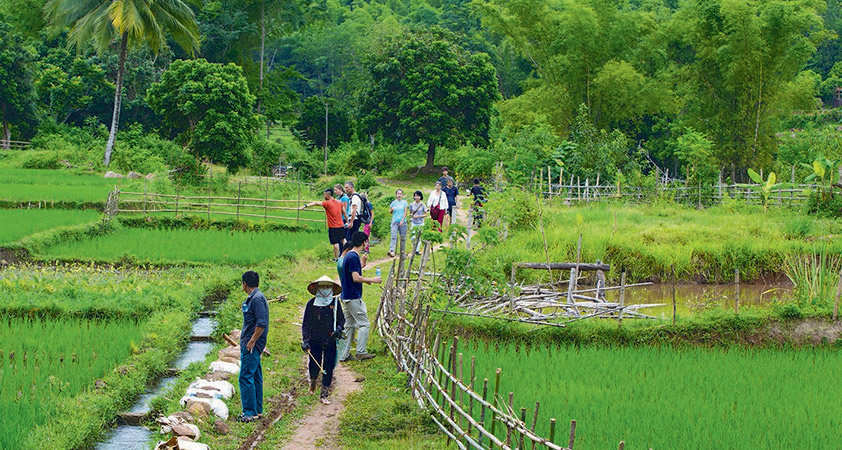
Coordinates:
[336,312]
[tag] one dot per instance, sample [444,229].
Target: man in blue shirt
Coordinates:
[356,316]
[252,343]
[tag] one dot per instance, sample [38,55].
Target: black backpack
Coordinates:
[365,213]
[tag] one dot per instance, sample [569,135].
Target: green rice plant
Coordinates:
[815,276]
[176,245]
[44,361]
[17,223]
[33,185]
[102,293]
[664,397]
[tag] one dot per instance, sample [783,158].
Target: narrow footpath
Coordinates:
[319,428]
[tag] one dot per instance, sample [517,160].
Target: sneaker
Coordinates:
[349,358]
[418,253]
[364,356]
[325,401]
[313,384]
[390,254]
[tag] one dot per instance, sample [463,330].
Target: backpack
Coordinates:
[365,214]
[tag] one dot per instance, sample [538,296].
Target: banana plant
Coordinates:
[764,187]
[826,171]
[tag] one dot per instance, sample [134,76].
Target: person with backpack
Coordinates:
[438,205]
[366,218]
[322,325]
[356,204]
[479,198]
[417,214]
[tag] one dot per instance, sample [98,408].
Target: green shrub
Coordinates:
[798,227]
[830,208]
[49,160]
[366,181]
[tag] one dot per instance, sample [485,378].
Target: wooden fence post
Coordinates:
[672,269]
[239,192]
[266,204]
[482,409]
[298,211]
[838,295]
[552,431]
[534,421]
[572,434]
[144,196]
[494,399]
[736,291]
[622,296]
[177,194]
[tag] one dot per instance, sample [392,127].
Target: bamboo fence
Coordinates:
[13,145]
[238,206]
[471,417]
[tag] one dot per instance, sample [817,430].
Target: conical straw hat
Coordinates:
[324,280]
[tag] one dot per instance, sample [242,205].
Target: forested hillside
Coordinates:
[701,88]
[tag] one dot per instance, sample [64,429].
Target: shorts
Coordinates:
[336,235]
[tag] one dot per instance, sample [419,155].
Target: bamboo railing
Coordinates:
[13,145]
[237,206]
[472,418]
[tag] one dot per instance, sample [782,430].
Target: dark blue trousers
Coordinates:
[325,354]
[251,382]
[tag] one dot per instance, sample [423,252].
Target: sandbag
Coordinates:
[219,366]
[184,444]
[178,426]
[229,352]
[219,408]
[226,388]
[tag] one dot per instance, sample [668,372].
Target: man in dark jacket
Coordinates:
[252,343]
[322,324]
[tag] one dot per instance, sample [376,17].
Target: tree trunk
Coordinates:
[7,135]
[118,98]
[431,155]
[262,53]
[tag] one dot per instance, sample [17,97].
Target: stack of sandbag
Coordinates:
[179,426]
[180,443]
[228,362]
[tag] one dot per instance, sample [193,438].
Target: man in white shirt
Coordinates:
[353,223]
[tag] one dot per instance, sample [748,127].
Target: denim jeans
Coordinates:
[251,382]
[396,230]
[356,319]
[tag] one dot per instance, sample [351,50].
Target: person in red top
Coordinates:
[335,220]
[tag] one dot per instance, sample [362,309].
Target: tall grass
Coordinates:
[702,245]
[175,245]
[668,398]
[42,362]
[17,223]
[57,185]
[815,276]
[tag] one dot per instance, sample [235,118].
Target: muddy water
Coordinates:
[127,437]
[692,297]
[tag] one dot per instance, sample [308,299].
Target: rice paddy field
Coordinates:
[44,361]
[18,223]
[34,185]
[704,245]
[177,245]
[671,398]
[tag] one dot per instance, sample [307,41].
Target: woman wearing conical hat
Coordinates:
[322,325]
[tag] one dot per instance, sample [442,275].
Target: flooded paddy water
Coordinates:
[694,297]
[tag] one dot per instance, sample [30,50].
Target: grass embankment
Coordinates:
[382,415]
[664,397]
[704,245]
[163,301]
[18,223]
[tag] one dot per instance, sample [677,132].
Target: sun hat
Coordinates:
[324,280]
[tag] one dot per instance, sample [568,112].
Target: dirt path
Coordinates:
[319,428]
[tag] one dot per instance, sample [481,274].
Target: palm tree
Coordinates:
[134,22]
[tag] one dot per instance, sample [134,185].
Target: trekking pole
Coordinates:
[317,362]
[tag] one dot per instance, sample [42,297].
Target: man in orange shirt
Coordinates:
[335,221]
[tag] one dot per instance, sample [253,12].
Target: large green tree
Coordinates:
[745,74]
[130,22]
[16,92]
[208,107]
[426,88]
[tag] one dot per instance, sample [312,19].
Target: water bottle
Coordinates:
[377,272]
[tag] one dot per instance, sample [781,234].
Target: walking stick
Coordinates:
[317,362]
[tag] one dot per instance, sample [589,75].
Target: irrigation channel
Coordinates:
[694,297]
[138,437]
